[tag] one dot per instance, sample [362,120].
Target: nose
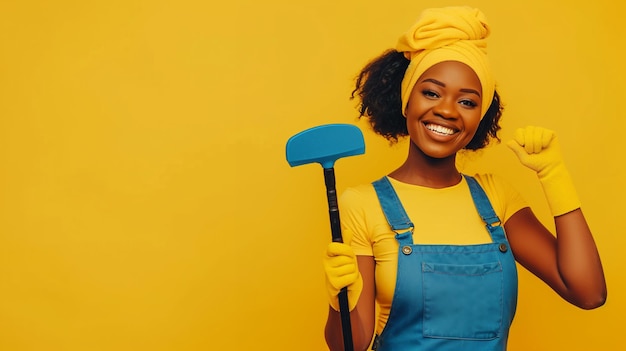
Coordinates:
[446,108]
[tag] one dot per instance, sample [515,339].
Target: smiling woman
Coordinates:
[435,249]
[443,111]
[145,201]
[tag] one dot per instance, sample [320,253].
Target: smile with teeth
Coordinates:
[440,129]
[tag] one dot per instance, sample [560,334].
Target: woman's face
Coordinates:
[444,108]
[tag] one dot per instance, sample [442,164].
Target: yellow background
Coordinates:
[145,200]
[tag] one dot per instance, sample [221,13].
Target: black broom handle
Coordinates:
[335,226]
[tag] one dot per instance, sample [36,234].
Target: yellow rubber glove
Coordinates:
[342,270]
[538,149]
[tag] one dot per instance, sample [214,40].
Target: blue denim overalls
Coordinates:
[449,297]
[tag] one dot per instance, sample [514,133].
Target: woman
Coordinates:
[433,248]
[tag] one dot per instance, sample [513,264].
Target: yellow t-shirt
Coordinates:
[440,216]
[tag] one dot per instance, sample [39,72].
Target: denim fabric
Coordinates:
[449,297]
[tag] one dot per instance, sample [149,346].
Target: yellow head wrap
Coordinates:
[447,34]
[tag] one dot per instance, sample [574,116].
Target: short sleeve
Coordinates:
[353,204]
[505,199]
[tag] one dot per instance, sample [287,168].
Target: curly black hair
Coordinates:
[378,87]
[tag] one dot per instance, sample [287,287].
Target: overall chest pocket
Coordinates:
[462,301]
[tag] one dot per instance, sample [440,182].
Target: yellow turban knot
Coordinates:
[447,34]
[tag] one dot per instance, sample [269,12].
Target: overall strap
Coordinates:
[485,210]
[392,207]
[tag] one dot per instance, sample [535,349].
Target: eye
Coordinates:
[430,94]
[468,103]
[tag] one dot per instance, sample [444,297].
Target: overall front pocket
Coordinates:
[462,301]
